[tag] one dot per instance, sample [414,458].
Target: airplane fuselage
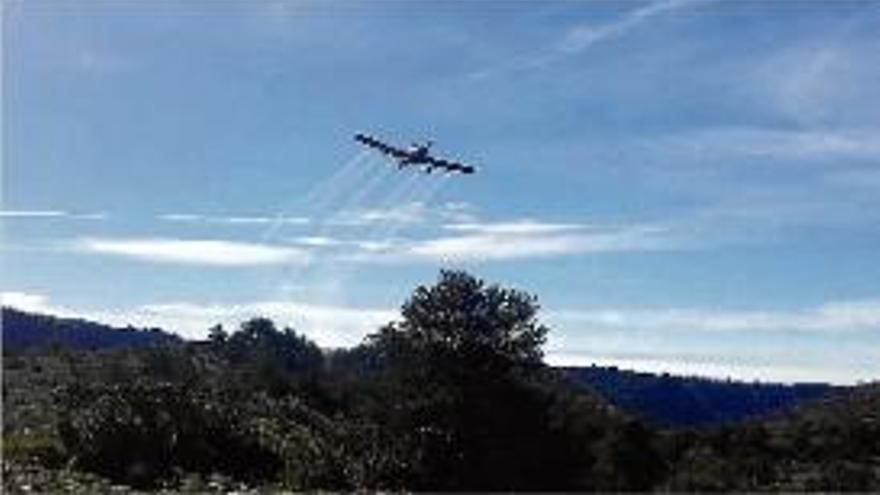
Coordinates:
[416,154]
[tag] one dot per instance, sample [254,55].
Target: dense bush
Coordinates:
[139,433]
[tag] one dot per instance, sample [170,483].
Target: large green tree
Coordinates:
[462,373]
[276,360]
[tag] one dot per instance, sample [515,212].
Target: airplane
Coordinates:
[417,154]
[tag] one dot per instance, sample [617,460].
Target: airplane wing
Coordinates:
[379,145]
[450,166]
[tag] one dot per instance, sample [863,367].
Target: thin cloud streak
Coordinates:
[514,227]
[181,217]
[232,220]
[797,147]
[831,317]
[25,214]
[194,252]
[579,38]
[317,241]
[584,36]
[408,213]
[502,242]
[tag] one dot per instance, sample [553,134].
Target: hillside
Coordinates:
[670,400]
[22,330]
[832,444]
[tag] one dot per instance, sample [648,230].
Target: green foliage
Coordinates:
[30,446]
[454,396]
[137,433]
[460,384]
[461,319]
[270,359]
[627,459]
[144,433]
[832,445]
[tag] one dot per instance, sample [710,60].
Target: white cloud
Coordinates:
[519,240]
[407,213]
[695,366]
[458,206]
[498,247]
[317,241]
[832,317]
[25,301]
[181,217]
[244,220]
[51,214]
[234,219]
[376,246]
[194,252]
[514,227]
[329,326]
[32,213]
[459,212]
[833,341]
[89,216]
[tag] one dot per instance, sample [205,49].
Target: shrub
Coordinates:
[139,433]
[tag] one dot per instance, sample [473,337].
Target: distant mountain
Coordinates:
[22,330]
[689,401]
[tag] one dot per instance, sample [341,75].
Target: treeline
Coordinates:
[23,331]
[668,400]
[454,396]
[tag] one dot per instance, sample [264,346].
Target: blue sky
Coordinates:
[687,185]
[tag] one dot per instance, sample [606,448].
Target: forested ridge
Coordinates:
[23,330]
[669,400]
[453,396]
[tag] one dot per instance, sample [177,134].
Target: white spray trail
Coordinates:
[392,208]
[321,201]
[420,197]
[318,193]
[346,185]
[356,200]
